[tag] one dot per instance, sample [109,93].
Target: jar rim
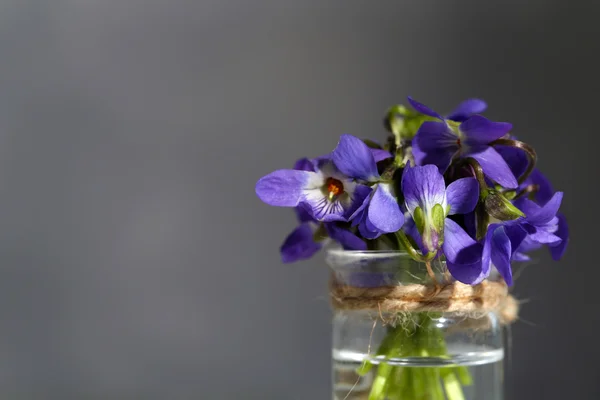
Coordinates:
[337,257]
[379,260]
[366,253]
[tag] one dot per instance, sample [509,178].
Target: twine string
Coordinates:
[488,296]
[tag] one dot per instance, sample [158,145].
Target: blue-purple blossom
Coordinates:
[352,195]
[324,192]
[301,243]
[440,141]
[544,191]
[507,241]
[430,202]
[379,212]
[542,195]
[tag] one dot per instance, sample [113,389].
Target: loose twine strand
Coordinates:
[456,297]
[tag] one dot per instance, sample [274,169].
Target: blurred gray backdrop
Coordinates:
[135,260]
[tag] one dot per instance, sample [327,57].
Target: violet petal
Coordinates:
[380,154]
[423,109]
[304,164]
[462,195]
[470,274]
[545,191]
[299,244]
[285,187]
[515,158]
[384,212]
[354,158]
[545,214]
[459,248]
[501,252]
[423,187]
[466,109]
[480,130]
[558,250]
[494,166]
[347,239]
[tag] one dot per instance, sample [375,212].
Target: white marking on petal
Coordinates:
[316,181]
[321,206]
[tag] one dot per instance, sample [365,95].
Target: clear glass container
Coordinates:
[433,355]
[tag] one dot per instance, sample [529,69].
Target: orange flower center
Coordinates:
[334,187]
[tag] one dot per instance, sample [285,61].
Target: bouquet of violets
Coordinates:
[457,188]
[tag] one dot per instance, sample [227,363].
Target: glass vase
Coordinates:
[430,348]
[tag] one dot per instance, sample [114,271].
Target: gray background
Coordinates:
[135,260]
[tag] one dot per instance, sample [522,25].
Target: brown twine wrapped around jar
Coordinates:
[488,296]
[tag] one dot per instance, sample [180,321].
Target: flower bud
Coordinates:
[500,207]
[394,119]
[403,123]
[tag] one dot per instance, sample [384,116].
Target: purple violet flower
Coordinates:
[542,196]
[301,243]
[506,241]
[319,187]
[379,212]
[347,239]
[544,190]
[430,202]
[439,142]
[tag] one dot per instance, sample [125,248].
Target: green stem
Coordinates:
[419,338]
[479,175]
[408,391]
[464,376]
[483,219]
[529,190]
[452,387]
[433,377]
[378,388]
[405,244]
[383,350]
[397,385]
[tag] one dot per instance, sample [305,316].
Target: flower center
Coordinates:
[334,188]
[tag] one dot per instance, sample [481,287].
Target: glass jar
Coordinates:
[384,349]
